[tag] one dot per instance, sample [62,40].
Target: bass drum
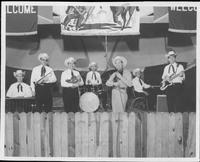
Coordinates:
[89,102]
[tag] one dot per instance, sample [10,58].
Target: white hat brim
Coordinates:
[123,59]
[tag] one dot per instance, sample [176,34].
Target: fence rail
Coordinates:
[135,134]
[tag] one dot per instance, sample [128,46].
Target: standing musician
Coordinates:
[42,78]
[174,91]
[19,88]
[119,80]
[93,77]
[70,81]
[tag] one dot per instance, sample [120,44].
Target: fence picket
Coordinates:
[104,137]
[123,135]
[56,135]
[92,146]
[22,135]
[115,121]
[179,135]
[191,141]
[9,142]
[151,134]
[71,134]
[16,133]
[37,135]
[30,134]
[165,135]
[131,135]
[84,134]
[64,134]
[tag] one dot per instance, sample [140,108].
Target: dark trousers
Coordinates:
[174,96]
[43,98]
[71,99]
[151,98]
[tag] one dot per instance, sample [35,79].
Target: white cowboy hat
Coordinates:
[93,64]
[136,70]
[170,53]
[43,55]
[19,73]
[69,60]
[123,59]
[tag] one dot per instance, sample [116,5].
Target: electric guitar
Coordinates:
[167,83]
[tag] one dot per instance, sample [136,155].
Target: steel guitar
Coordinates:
[167,83]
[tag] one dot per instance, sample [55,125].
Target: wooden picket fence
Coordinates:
[135,134]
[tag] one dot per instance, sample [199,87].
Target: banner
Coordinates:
[182,19]
[99,20]
[161,15]
[45,15]
[21,20]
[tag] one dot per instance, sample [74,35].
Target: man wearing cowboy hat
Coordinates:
[70,81]
[119,80]
[19,88]
[93,77]
[138,84]
[141,89]
[42,77]
[174,91]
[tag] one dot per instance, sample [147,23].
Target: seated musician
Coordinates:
[138,84]
[42,78]
[119,80]
[70,81]
[19,88]
[174,91]
[141,89]
[93,77]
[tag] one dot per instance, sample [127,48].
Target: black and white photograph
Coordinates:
[100,81]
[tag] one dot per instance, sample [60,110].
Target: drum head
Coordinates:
[89,102]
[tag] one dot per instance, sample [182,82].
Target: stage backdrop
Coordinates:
[99,20]
[21,20]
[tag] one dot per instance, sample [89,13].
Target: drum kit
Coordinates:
[91,97]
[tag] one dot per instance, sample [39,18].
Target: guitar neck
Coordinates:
[180,73]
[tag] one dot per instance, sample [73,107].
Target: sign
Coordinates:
[21,20]
[182,19]
[99,20]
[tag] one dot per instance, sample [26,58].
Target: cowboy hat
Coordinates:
[171,53]
[69,60]
[136,70]
[43,56]
[93,64]
[19,73]
[121,58]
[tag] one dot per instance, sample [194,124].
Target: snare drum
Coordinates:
[97,89]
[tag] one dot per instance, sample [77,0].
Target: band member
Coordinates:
[93,77]
[174,91]
[138,84]
[70,81]
[42,79]
[119,80]
[141,89]
[19,88]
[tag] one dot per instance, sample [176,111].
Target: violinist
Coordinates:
[42,78]
[70,81]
